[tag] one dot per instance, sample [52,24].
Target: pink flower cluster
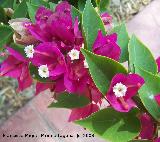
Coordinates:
[56,55]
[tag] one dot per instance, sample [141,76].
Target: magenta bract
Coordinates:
[81,113]
[147,127]
[157,99]
[57,26]
[107,46]
[16,66]
[128,87]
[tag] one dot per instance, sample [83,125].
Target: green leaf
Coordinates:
[113,126]
[91,23]
[140,55]
[6,3]
[102,69]
[34,73]
[40,3]
[66,100]
[52,6]
[104,5]
[15,4]
[21,10]
[5,34]
[3,17]
[148,91]
[32,11]
[76,13]
[123,40]
[140,141]
[81,4]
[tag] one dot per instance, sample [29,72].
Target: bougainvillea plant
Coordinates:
[74,49]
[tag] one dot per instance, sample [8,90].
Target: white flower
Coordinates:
[43,71]
[85,64]
[74,54]
[120,90]
[29,50]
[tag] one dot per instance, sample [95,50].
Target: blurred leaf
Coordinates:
[66,100]
[91,23]
[5,34]
[113,126]
[81,4]
[123,40]
[104,5]
[54,1]
[140,141]
[141,56]
[39,3]
[3,17]
[32,11]
[52,6]
[102,69]
[21,10]
[6,3]
[15,4]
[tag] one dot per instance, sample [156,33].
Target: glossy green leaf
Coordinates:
[140,55]
[148,91]
[66,100]
[32,11]
[91,23]
[21,10]
[104,5]
[34,73]
[123,40]
[113,126]
[102,69]
[5,34]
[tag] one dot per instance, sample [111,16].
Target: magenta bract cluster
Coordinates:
[57,56]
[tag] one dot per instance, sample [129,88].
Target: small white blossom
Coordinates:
[85,64]
[120,90]
[29,50]
[74,54]
[43,71]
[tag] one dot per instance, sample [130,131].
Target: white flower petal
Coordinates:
[74,54]
[43,71]
[120,90]
[29,50]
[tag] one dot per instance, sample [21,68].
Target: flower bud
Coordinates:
[21,34]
